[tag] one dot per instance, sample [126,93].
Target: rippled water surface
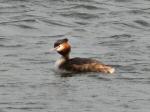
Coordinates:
[117,32]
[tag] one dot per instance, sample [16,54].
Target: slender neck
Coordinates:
[66,56]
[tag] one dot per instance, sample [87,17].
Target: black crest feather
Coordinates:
[58,42]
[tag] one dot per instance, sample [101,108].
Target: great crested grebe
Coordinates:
[77,64]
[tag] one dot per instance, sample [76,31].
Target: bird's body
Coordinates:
[83,65]
[78,64]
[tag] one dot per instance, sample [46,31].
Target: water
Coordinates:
[113,31]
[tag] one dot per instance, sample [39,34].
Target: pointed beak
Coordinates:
[53,49]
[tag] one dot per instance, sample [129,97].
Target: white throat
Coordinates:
[59,62]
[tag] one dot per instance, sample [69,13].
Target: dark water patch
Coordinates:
[80,15]
[141,82]
[137,100]
[132,78]
[137,11]
[122,0]
[24,26]
[29,20]
[139,62]
[47,53]
[4,70]
[82,23]
[14,12]
[14,65]
[89,7]
[81,6]
[116,42]
[12,7]
[146,9]
[79,0]
[102,77]
[51,1]
[41,42]
[135,79]
[148,47]
[10,103]
[2,86]
[128,68]
[11,46]
[57,23]
[12,85]
[8,1]
[32,103]
[26,108]
[11,55]
[130,25]
[2,39]
[146,69]
[80,30]
[19,21]
[25,17]
[121,36]
[110,43]
[142,23]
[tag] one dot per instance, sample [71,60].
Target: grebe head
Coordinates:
[62,47]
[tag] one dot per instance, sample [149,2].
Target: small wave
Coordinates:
[116,42]
[26,108]
[19,21]
[58,23]
[82,23]
[3,70]
[80,1]
[7,7]
[11,55]
[121,36]
[136,11]
[80,15]
[90,7]
[2,38]
[14,1]
[125,69]
[25,26]
[135,79]
[100,76]
[40,42]
[146,69]
[130,25]
[14,11]
[142,23]
[122,0]
[11,46]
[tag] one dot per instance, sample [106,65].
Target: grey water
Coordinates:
[116,32]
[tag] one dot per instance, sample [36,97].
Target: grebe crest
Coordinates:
[77,64]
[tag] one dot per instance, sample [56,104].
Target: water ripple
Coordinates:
[81,15]
[83,6]
[11,46]
[58,23]
[142,23]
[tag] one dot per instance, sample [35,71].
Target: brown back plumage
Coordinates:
[85,65]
